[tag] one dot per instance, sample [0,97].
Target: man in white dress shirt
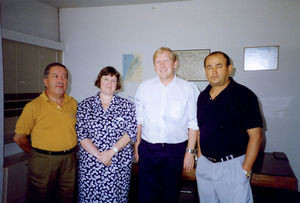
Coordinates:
[167,130]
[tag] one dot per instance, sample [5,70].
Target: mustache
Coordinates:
[60,84]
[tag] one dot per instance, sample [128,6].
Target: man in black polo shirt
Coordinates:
[230,134]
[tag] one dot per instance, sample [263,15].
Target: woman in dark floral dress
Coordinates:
[106,125]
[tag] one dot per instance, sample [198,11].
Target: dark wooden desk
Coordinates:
[273,170]
[268,171]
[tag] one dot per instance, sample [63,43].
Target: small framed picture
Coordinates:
[261,58]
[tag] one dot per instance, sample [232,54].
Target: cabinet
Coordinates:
[15,178]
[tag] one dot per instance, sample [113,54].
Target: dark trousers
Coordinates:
[51,177]
[160,169]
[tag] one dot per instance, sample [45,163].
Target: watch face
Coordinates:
[191,151]
[115,149]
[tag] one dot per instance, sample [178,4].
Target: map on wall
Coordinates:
[132,67]
[190,66]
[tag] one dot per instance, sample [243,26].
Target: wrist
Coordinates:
[97,155]
[190,151]
[248,173]
[115,150]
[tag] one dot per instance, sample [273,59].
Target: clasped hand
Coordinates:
[105,157]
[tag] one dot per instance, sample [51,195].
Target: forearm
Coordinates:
[192,139]
[189,158]
[138,141]
[198,145]
[255,139]
[122,142]
[89,146]
[139,134]
[23,141]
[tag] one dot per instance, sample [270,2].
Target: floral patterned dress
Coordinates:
[97,182]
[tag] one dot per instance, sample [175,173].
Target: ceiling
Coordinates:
[97,3]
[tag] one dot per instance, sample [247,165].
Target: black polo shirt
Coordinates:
[224,121]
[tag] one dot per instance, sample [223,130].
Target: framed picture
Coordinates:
[261,58]
[190,66]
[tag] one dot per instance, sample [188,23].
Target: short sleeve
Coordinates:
[26,120]
[252,115]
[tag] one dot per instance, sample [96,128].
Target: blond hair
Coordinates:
[164,49]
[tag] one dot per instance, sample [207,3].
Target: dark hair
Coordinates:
[216,53]
[49,66]
[111,71]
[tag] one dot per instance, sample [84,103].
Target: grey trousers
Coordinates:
[223,181]
[51,177]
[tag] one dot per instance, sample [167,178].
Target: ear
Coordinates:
[230,68]
[175,64]
[45,82]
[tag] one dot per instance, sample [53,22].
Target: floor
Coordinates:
[189,194]
[266,195]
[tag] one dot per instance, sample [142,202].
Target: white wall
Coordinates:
[97,37]
[31,17]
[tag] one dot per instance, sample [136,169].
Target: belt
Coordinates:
[224,158]
[161,145]
[54,153]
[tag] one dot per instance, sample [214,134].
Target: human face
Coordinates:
[108,84]
[216,70]
[56,81]
[165,67]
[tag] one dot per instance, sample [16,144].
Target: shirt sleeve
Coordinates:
[139,105]
[131,122]
[192,108]
[251,111]
[26,120]
[82,124]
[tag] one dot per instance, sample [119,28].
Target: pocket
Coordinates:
[204,168]
[176,109]
[238,174]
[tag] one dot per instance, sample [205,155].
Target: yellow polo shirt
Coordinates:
[51,127]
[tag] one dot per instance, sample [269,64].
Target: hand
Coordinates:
[188,162]
[106,156]
[136,152]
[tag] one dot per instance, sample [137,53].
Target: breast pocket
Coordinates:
[176,109]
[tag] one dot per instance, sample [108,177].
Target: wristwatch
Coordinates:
[115,149]
[247,173]
[191,151]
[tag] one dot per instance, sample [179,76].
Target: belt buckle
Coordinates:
[228,157]
[212,159]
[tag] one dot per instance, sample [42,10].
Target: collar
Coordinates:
[229,86]
[46,98]
[173,81]
[98,100]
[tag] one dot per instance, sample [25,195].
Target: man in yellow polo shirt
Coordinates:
[46,130]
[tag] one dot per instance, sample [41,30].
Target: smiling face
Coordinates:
[56,81]
[165,67]
[108,84]
[216,70]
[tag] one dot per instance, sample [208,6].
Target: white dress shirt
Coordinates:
[166,112]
